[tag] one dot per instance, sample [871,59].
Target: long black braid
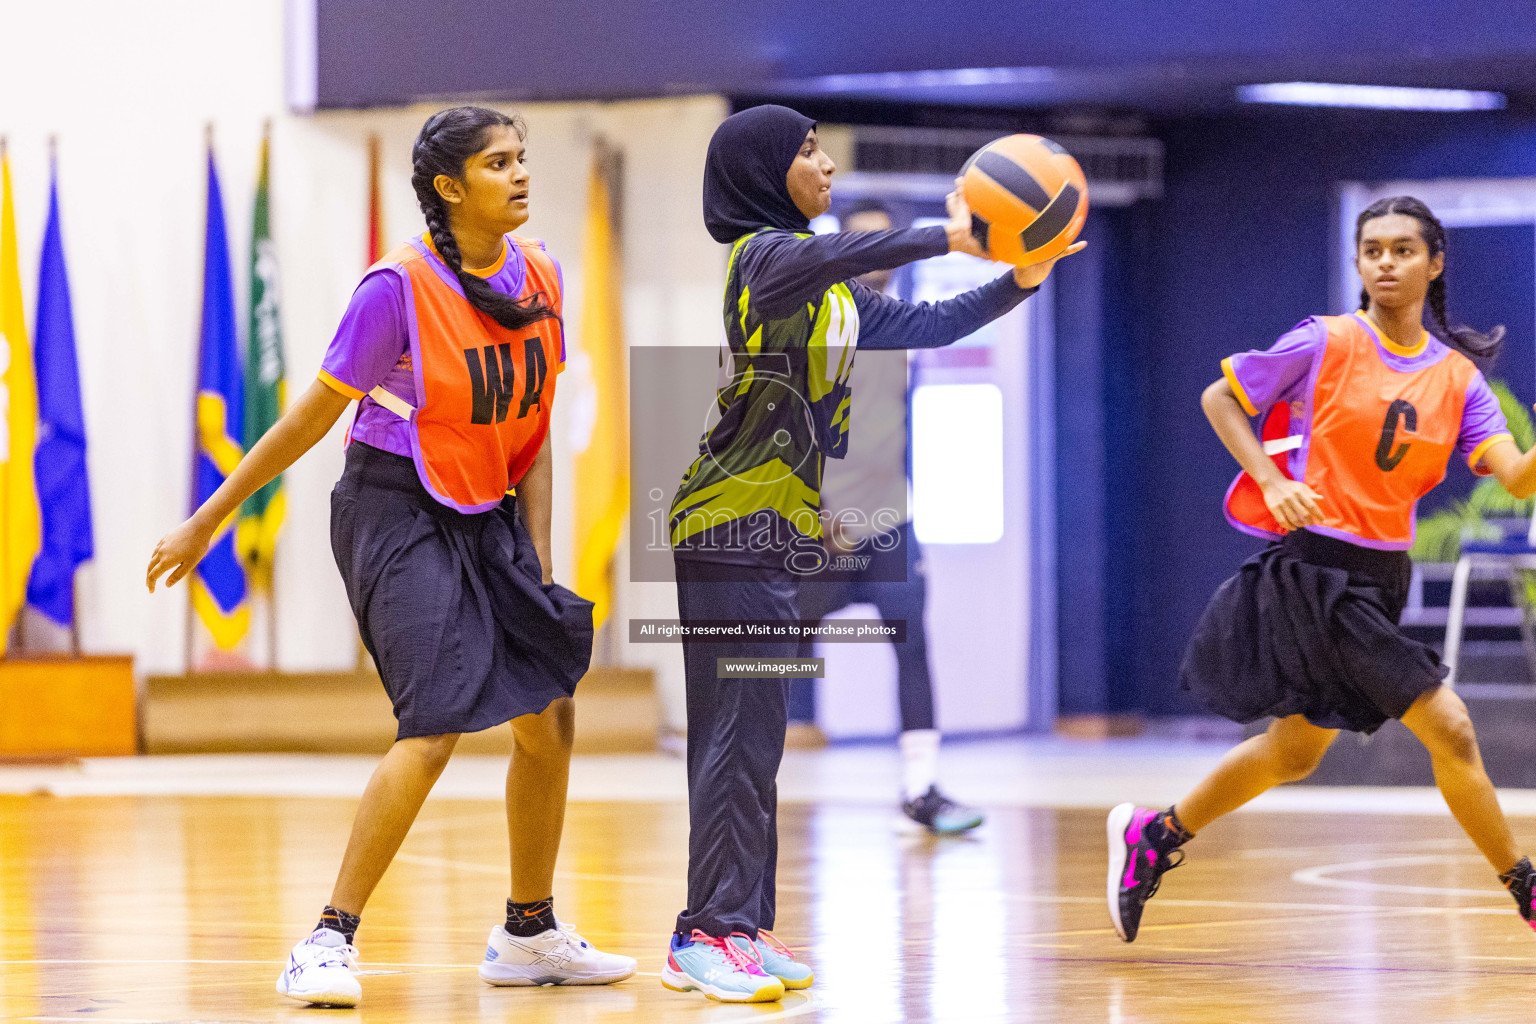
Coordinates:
[1481,348]
[447,141]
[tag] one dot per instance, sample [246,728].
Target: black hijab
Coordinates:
[749,156]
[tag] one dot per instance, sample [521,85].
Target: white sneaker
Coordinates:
[319,971]
[556,957]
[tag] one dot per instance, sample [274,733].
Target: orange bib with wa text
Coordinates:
[484,392]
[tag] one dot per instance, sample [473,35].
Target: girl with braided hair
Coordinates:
[1359,415]
[451,346]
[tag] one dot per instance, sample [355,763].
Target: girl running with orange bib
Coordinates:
[1359,415]
[447,572]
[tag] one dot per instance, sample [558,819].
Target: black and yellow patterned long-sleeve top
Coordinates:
[793,321]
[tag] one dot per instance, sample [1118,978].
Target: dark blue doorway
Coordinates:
[1491,279]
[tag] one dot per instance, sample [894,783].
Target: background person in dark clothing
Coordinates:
[886,568]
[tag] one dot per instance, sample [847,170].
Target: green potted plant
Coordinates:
[1440,535]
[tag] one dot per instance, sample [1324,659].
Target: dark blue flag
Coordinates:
[63,485]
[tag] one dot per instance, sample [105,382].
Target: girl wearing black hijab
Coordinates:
[745,524]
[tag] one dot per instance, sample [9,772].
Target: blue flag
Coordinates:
[218,586]
[63,486]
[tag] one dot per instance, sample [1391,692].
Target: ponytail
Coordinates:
[1482,348]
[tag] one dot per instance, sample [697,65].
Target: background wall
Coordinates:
[128,90]
[1236,252]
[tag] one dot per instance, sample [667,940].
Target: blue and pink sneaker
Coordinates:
[720,968]
[1141,850]
[776,959]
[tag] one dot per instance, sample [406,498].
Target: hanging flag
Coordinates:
[265,388]
[375,205]
[600,425]
[63,485]
[218,586]
[20,523]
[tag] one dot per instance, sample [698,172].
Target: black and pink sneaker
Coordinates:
[1142,845]
[1520,880]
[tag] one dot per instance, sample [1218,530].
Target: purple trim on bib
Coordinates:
[1298,457]
[1238,524]
[421,390]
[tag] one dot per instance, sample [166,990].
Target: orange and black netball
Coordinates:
[1028,198]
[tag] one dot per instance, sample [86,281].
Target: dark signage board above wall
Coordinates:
[361,53]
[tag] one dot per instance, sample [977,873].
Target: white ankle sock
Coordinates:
[919,761]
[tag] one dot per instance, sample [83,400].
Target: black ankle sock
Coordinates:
[1167,832]
[529,919]
[340,921]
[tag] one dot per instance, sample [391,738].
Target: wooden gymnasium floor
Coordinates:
[165,907]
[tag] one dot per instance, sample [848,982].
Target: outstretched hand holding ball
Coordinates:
[1023,200]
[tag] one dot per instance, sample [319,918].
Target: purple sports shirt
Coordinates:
[372,347]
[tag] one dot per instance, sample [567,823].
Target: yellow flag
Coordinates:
[20,521]
[601,416]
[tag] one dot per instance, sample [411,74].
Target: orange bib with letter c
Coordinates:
[1372,439]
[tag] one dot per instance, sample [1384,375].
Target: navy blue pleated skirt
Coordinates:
[451,606]
[1309,626]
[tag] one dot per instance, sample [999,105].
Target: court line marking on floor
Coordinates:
[184,987]
[294,776]
[1337,968]
[367,965]
[1268,852]
[809,1004]
[1341,911]
[1244,904]
[1323,876]
[1107,929]
[139,1020]
[444,824]
[1354,908]
[425,970]
[131,1020]
[1482,956]
[224,963]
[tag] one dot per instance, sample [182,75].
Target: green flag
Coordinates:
[265,388]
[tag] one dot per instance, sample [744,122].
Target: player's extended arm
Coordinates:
[304,424]
[886,322]
[1512,468]
[1291,502]
[535,493]
[785,272]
